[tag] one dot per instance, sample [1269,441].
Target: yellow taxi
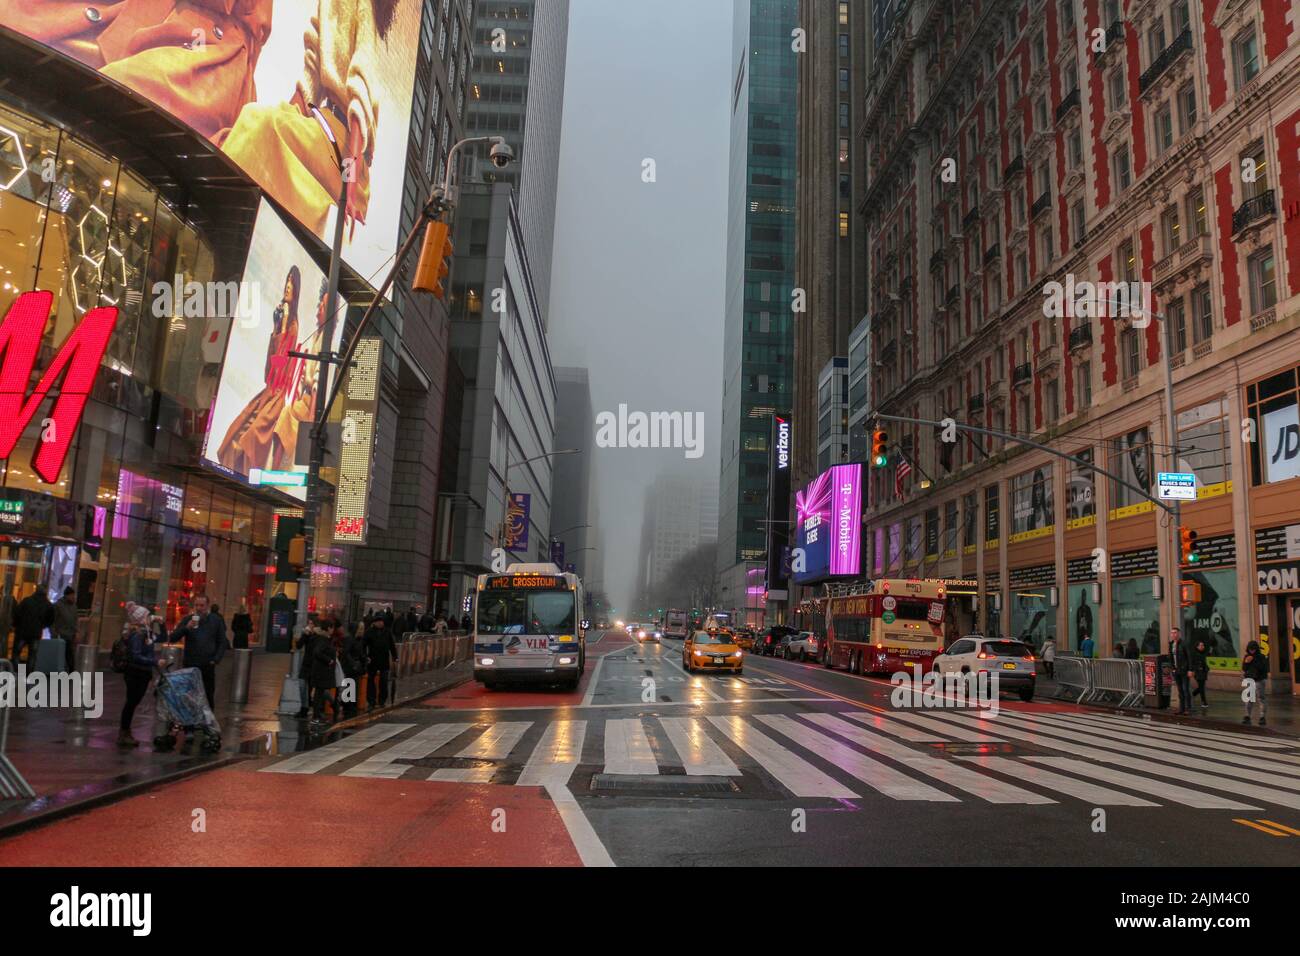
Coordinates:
[745,639]
[713,650]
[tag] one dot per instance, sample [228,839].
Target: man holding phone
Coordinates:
[204,635]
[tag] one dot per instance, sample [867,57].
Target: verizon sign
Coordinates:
[77,362]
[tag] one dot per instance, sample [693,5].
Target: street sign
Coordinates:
[1180,485]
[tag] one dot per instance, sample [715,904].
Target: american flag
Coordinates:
[902,471]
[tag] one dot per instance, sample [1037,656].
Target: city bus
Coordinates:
[886,626]
[528,627]
[675,624]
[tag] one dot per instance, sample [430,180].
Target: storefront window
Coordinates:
[1032,507]
[1080,616]
[1033,619]
[1135,616]
[1213,619]
[1203,443]
[1273,411]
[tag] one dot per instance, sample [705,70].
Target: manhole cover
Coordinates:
[662,786]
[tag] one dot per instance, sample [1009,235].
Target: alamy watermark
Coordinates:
[1086,299]
[934,691]
[84,692]
[201,300]
[651,430]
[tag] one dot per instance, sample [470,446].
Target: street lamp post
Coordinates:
[505,484]
[441,202]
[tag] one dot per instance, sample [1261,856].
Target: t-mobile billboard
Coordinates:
[829,516]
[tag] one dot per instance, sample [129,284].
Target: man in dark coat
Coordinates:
[33,615]
[353,659]
[64,625]
[204,634]
[381,651]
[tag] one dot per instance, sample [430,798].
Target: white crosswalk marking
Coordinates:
[1241,740]
[983,786]
[700,755]
[556,756]
[1082,789]
[902,731]
[873,773]
[497,741]
[1169,791]
[415,747]
[627,748]
[796,774]
[954,733]
[313,761]
[1161,731]
[1256,760]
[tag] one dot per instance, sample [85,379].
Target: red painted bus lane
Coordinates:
[256,819]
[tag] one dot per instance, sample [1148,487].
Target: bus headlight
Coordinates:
[486,661]
[566,660]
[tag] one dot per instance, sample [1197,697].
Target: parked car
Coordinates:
[1012,661]
[802,646]
[769,641]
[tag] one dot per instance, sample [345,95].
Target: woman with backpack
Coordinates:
[133,657]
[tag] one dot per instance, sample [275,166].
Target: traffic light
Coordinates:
[879,448]
[1187,540]
[435,260]
[297,554]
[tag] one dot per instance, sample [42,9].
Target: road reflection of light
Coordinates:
[565,739]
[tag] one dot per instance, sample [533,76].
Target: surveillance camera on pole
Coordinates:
[501,154]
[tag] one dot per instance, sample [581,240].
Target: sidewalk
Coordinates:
[73,763]
[1226,709]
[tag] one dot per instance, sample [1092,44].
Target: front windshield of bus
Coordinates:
[507,611]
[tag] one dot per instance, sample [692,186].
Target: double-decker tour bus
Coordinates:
[886,626]
[528,627]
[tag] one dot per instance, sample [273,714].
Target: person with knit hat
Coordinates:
[139,670]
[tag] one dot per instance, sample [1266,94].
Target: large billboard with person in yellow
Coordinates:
[264,80]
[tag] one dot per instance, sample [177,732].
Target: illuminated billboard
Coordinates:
[829,525]
[266,398]
[247,81]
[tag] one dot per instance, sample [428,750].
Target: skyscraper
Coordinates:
[517,91]
[571,514]
[758,338]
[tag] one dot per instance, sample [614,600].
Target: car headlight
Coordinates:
[699,653]
[737,654]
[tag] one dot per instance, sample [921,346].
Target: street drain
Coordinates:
[662,786]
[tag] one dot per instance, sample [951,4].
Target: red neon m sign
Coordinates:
[20,343]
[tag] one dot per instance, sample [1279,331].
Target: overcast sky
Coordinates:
[638,277]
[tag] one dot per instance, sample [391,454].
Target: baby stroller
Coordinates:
[182,707]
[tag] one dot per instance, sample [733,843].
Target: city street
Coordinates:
[786,764]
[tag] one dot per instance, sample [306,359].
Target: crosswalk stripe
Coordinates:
[464,774]
[1190,798]
[1243,740]
[1082,789]
[415,747]
[954,733]
[497,741]
[700,755]
[1179,760]
[982,786]
[627,748]
[1254,761]
[902,731]
[315,760]
[794,773]
[873,773]
[556,756]
[1131,757]
[1161,731]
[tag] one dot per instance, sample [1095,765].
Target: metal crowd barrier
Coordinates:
[1119,676]
[12,783]
[422,652]
[1072,676]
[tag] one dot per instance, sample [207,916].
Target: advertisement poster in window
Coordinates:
[1213,619]
[1080,616]
[1131,461]
[266,398]
[1136,616]
[1282,443]
[1032,618]
[1032,511]
[1080,492]
[247,81]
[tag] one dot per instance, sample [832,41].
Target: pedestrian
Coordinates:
[388,618]
[1182,663]
[440,625]
[466,624]
[33,615]
[1049,657]
[140,664]
[381,651]
[426,621]
[318,659]
[1086,646]
[1201,671]
[204,635]
[1254,674]
[1132,649]
[353,659]
[413,620]
[241,625]
[64,625]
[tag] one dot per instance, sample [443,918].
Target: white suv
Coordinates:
[802,646]
[1012,661]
